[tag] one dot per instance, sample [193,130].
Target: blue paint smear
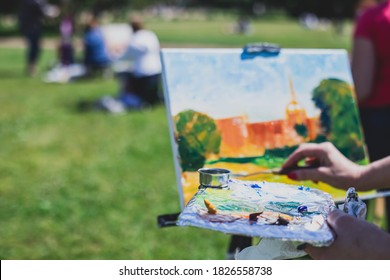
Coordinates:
[255,186]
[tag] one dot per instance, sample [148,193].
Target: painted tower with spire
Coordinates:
[295,113]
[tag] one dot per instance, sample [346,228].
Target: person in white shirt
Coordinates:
[143,82]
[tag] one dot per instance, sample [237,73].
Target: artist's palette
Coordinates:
[262,209]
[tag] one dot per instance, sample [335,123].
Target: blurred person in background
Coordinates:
[364,5]
[67,29]
[96,55]
[32,13]
[371,73]
[142,83]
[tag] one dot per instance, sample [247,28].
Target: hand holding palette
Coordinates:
[260,209]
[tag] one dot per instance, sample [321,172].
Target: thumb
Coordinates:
[338,218]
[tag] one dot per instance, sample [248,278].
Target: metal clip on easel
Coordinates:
[353,205]
[252,50]
[168,220]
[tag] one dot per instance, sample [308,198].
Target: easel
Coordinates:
[237,242]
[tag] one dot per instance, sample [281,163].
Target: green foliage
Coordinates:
[329,9]
[301,129]
[197,137]
[279,152]
[339,116]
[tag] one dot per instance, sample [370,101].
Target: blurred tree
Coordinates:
[329,9]
[301,130]
[9,7]
[339,117]
[197,137]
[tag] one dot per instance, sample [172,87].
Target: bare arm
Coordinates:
[363,66]
[376,175]
[338,171]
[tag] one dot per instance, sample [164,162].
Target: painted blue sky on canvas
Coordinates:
[219,83]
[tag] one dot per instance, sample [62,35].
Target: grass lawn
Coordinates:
[86,185]
[90,185]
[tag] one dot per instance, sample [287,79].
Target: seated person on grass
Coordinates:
[95,53]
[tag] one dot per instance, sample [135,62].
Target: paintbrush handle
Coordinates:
[279,171]
[285,171]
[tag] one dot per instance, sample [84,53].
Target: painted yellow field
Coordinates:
[190,180]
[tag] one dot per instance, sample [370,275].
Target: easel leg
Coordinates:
[237,244]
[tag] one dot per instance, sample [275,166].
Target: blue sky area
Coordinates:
[219,83]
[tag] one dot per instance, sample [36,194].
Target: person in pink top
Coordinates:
[371,73]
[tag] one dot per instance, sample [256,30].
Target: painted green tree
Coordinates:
[301,130]
[339,117]
[197,137]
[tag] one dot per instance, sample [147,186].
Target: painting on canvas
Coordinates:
[249,114]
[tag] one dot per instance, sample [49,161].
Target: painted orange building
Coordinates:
[242,139]
[235,140]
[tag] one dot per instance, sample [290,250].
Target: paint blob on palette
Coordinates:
[262,209]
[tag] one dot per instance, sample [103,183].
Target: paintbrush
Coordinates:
[278,171]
